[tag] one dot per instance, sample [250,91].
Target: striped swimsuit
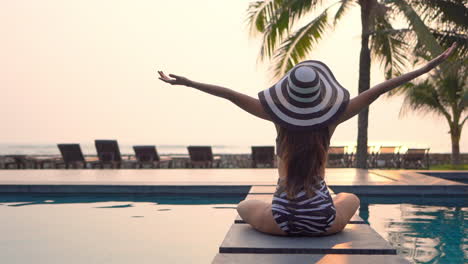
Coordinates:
[303,216]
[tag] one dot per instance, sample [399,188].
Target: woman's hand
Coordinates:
[178,80]
[441,58]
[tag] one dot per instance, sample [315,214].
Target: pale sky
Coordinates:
[75,71]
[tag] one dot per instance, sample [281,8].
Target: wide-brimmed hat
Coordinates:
[306,98]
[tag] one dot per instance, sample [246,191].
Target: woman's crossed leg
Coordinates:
[259,215]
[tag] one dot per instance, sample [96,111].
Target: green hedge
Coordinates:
[450,167]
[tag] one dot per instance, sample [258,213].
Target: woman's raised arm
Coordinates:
[364,99]
[245,102]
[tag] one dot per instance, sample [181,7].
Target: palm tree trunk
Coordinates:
[364,83]
[455,132]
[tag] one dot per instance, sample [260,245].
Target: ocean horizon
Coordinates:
[127,149]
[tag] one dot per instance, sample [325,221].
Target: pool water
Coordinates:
[423,230]
[189,229]
[113,229]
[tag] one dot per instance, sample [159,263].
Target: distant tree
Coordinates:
[445,94]
[274,19]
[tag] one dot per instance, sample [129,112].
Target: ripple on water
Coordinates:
[423,233]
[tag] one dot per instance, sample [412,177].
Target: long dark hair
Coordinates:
[305,155]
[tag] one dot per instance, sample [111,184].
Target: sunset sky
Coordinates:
[75,71]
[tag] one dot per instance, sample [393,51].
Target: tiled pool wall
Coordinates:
[126,189]
[24,199]
[385,190]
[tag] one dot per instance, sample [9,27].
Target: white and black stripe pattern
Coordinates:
[304,215]
[307,97]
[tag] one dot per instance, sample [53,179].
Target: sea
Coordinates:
[127,149]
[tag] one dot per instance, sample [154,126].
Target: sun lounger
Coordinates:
[72,157]
[202,156]
[3,161]
[148,155]
[108,153]
[388,156]
[17,162]
[263,155]
[371,154]
[338,157]
[416,158]
[40,161]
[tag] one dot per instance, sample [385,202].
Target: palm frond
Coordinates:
[445,14]
[464,101]
[463,121]
[259,13]
[447,96]
[256,16]
[389,45]
[299,44]
[443,94]
[447,38]
[424,36]
[453,83]
[299,8]
[423,98]
[345,5]
[267,17]
[274,19]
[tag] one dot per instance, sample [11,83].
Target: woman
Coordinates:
[306,105]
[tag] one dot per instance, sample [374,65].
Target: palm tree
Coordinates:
[275,19]
[445,94]
[446,91]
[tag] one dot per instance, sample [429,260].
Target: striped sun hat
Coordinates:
[306,98]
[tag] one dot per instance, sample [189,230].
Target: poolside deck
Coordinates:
[358,243]
[389,182]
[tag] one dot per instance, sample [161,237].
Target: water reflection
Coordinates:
[51,232]
[435,232]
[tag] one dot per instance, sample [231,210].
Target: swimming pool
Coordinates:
[423,230]
[189,229]
[113,229]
